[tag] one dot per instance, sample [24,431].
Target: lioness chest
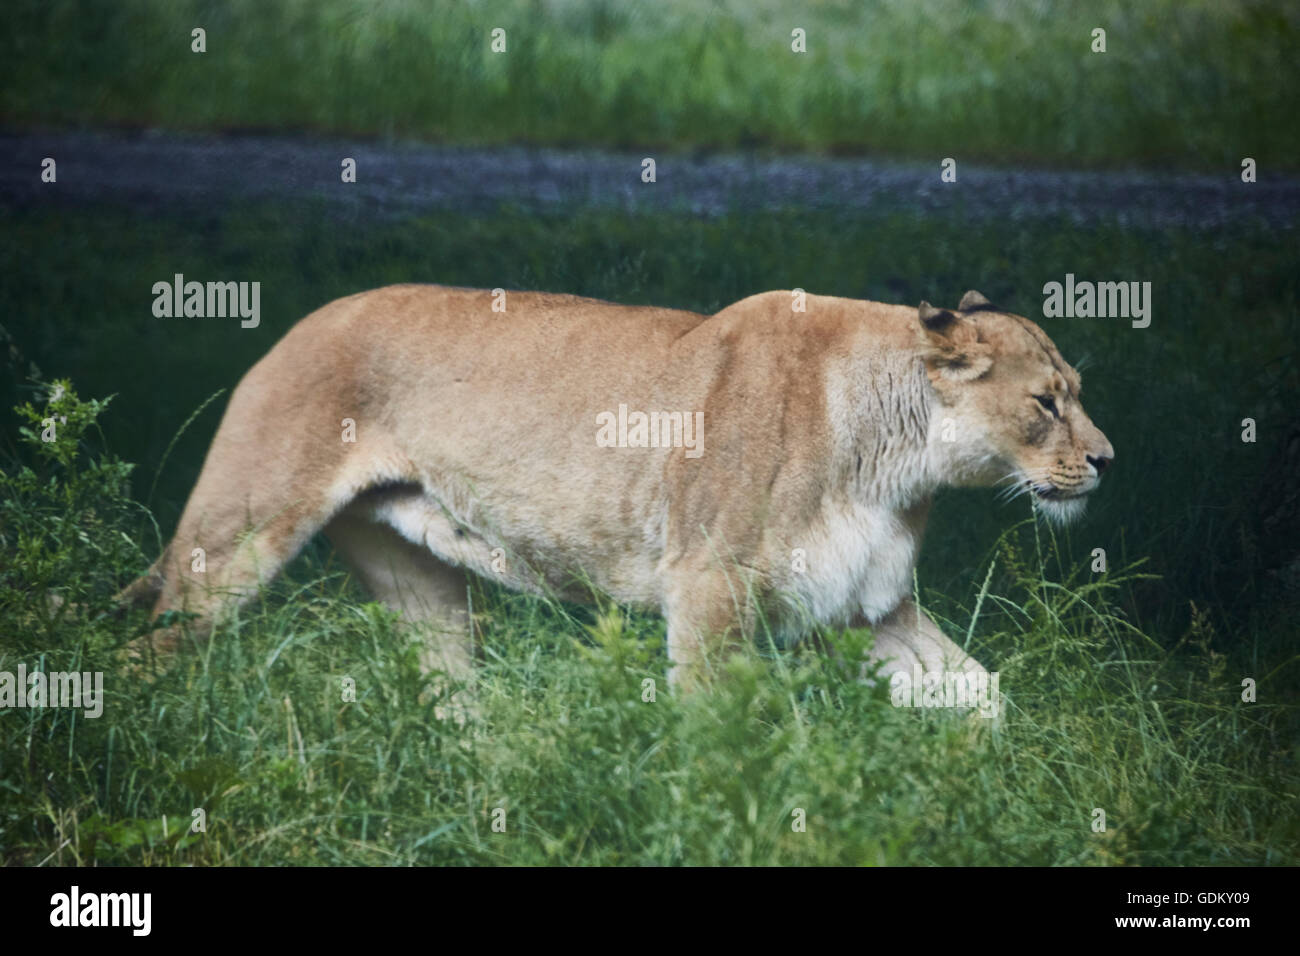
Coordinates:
[857,560]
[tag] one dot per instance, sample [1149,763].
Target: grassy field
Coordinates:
[1124,689]
[1189,83]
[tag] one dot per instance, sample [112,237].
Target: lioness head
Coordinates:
[1010,411]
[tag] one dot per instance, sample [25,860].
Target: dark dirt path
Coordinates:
[173,170]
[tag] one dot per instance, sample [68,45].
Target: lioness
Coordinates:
[791,464]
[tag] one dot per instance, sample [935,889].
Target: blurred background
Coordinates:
[1180,83]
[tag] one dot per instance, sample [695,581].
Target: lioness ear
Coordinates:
[933,319]
[950,345]
[973,300]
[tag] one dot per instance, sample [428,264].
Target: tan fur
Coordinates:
[824,436]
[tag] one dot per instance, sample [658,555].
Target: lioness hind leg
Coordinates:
[430,594]
[212,565]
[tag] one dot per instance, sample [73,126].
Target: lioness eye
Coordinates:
[1048,403]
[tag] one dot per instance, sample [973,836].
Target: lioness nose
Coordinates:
[1099,462]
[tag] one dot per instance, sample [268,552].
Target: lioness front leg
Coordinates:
[908,638]
[705,612]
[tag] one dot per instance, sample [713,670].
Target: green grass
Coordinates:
[1192,83]
[1124,689]
[256,732]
